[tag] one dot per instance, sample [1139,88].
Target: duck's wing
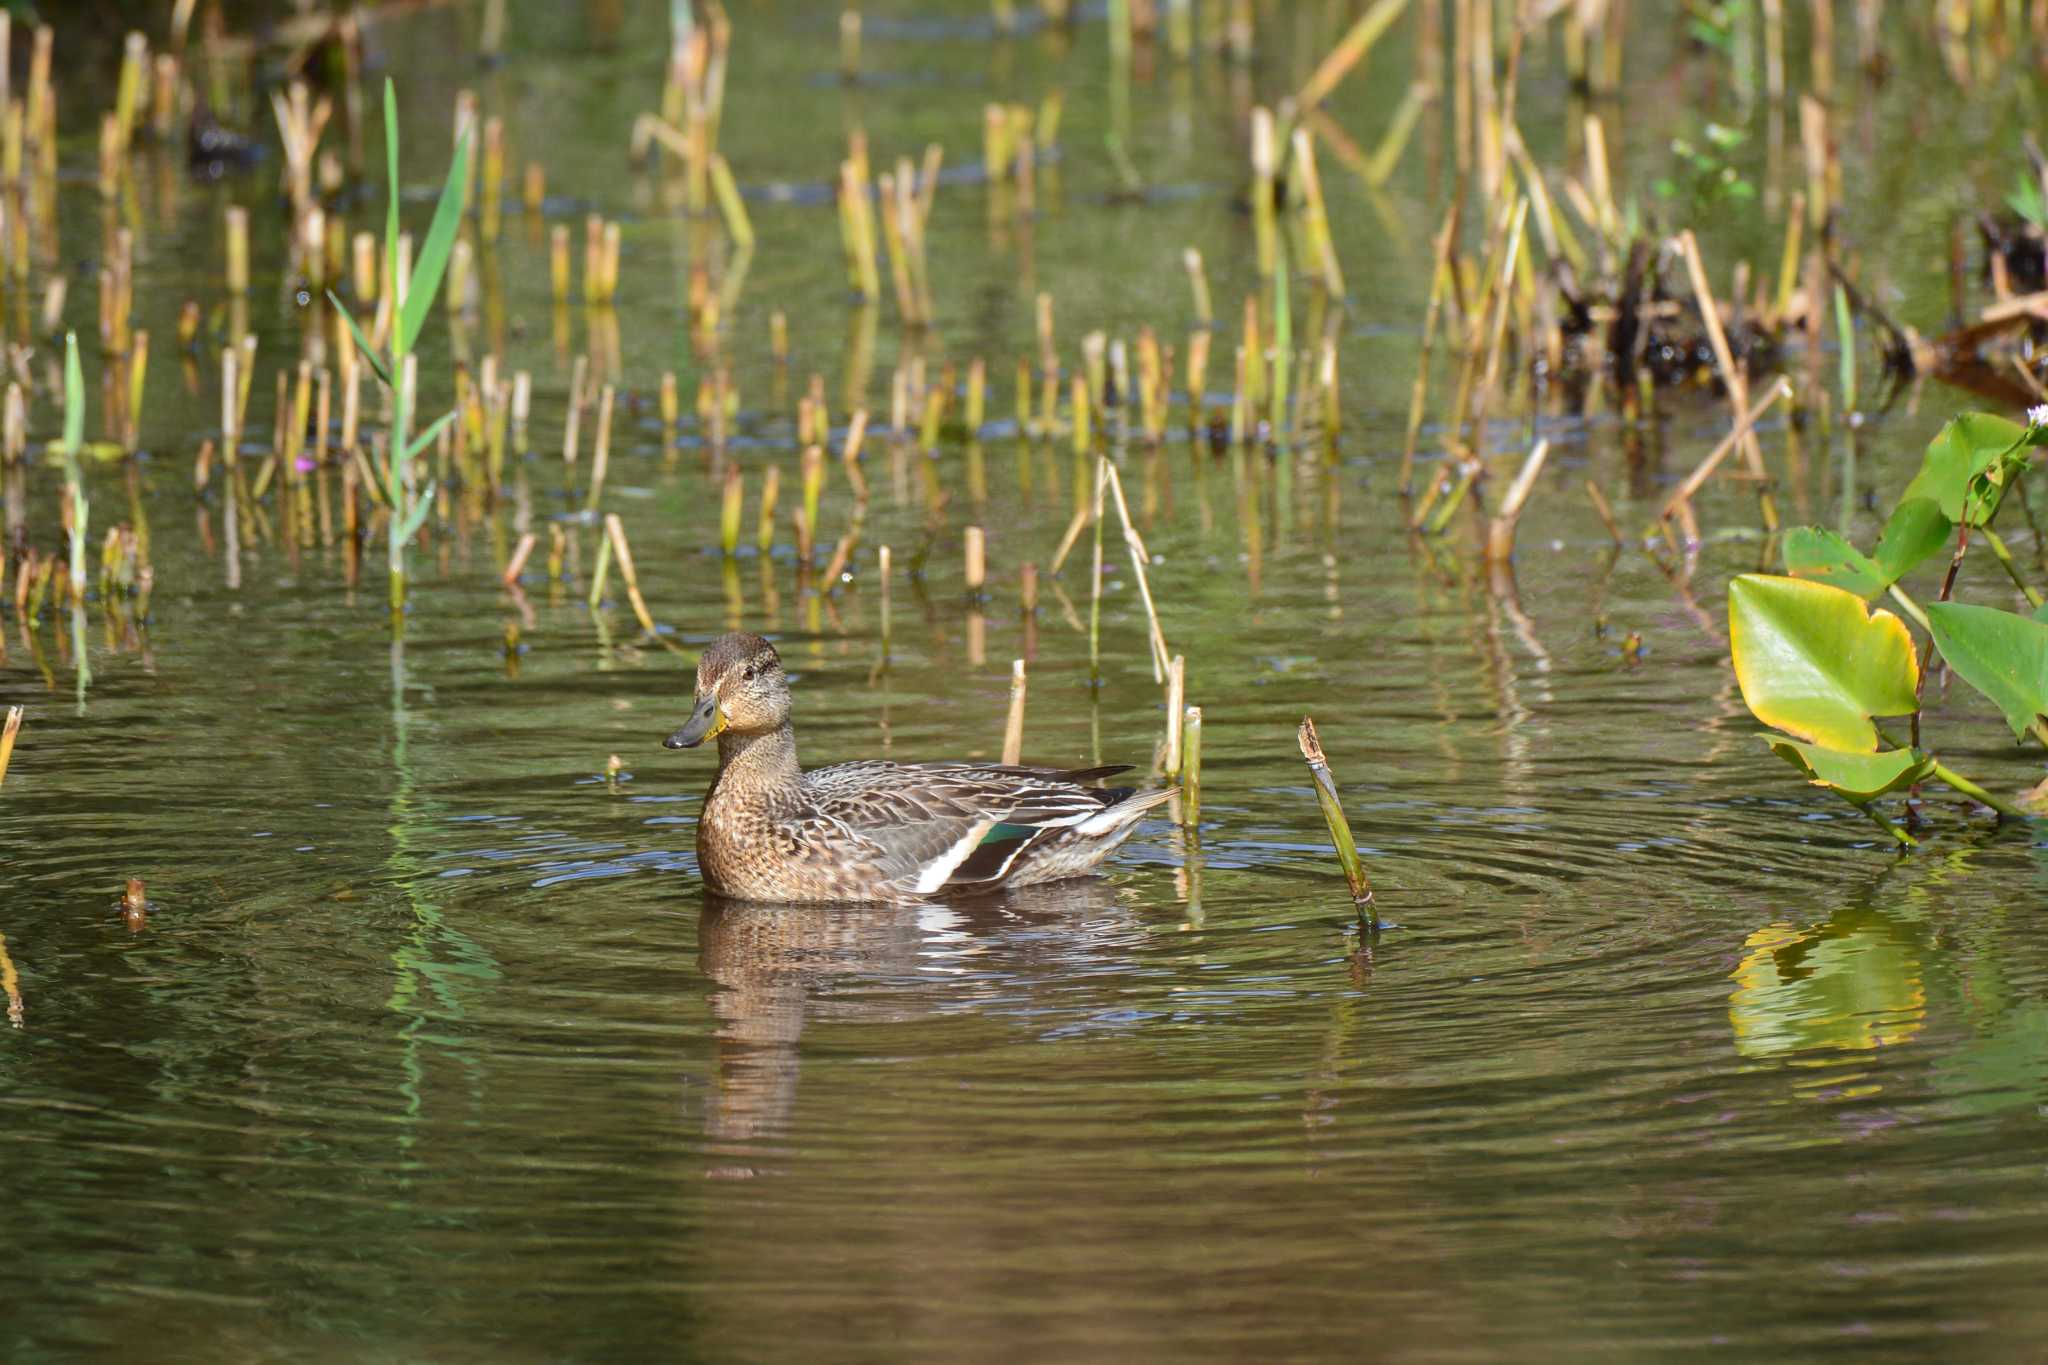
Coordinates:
[947,825]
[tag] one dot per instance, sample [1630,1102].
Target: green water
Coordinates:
[432,1048]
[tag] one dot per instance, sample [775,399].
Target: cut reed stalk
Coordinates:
[1198,282]
[1606,513]
[764,524]
[1500,531]
[1340,827]
[520,554]
[601,453]
[1013,729]
[974,553]
[10,729]
[615,534]
[729,512]
[1191,767]
[1350,50]
[1732,377]
[1176,702]
[882,566]
[1139,555]
[237,250]
[1745,423]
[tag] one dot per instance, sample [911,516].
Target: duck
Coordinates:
[875,831]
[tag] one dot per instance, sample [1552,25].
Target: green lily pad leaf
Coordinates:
[2041,613]
[2000,653]
[1824,557]
[1812,659]
[1916,530]
[1858,777]
[1962,449]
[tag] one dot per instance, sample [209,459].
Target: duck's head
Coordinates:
[741,689]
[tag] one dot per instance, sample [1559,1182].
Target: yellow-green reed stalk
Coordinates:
[882,557]
[237,219]
[729,512]
[1198,281]
[8,730]
[764,525]
[1095,579]
[615,537]
[1314,217]
[849,45]
[1265,166]
[128,88]
[1120,31]
[857,231]
[413,298]
[731,204]
[1845,345]
[1283,345]
[1340,827]
[1013,728]
[1083,439]
[977,395]
[1023,397]
[1191,767]
[1439,286]
[74,476]
[974,555]
[1198,378]
[813,471]
[1379,167]
[601,453]
[1350,50]
[1176,702]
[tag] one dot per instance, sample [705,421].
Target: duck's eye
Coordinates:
[748,673]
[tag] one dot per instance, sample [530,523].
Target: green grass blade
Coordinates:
[391,166]
[410,527]
[74,399]
[362,342]
[429,436]
[426,272]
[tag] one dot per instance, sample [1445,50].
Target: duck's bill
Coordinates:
[704,722]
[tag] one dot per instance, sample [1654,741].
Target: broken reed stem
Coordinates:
[1732,376]
[12,727]
[1073,533]
[1745,422]
[975,553]
[1606,513]
[601,455]
[729,512]
[1095,581]
[517,564]
[1500,532]
[1176,700]
[882,558]
[1350,50]
[764,523]
[615,535]
[1013,729]
[1139,554]
[1191,767]
[1340,828]
[1440,280]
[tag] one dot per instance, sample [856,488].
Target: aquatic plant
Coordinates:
[1819,664]
[412,299]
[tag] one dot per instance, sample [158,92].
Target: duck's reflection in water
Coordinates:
[773,967]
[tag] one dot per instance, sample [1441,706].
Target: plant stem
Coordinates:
[1977,793]
[1997,544]
[1905,840]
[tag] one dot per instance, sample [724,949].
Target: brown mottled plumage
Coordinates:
[875,830]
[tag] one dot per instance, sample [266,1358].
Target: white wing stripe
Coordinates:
[940,868]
